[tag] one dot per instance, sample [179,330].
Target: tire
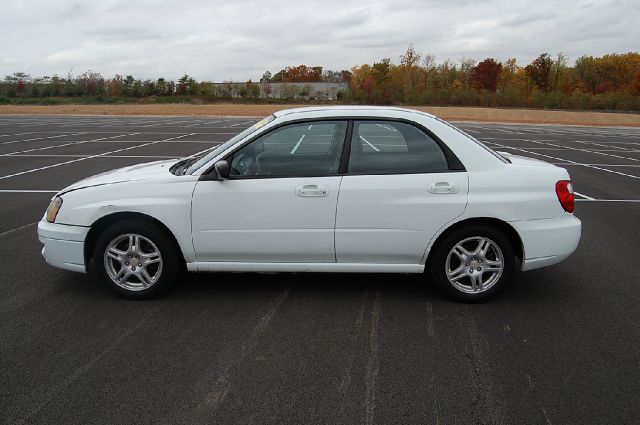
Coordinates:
[142,261]
[473,263]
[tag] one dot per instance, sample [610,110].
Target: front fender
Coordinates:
[169,202]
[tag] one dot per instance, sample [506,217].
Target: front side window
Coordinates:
[390,147]
[203,159]
[301,149]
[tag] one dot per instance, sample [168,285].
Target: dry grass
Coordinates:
[531,116]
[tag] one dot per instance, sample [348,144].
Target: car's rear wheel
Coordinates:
[136,259]
[473,263]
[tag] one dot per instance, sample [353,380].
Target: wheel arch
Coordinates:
[495,223]
[105,221]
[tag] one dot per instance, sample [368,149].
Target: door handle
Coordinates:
[443,188]
[311,190]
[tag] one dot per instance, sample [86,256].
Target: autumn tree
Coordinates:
[485,75]
[346,76]
[298,74]
[540,72]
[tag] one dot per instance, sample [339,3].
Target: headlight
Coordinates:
[53,209]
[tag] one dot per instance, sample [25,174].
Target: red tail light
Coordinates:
[564,190]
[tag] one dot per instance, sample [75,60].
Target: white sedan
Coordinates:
[321,189]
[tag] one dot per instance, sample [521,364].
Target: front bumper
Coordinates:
[63,245]
[549,241]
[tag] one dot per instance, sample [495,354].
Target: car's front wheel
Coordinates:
[473,263]
[136,259]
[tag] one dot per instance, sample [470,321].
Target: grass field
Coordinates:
[530,116]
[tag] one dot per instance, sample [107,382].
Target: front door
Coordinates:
[279,203]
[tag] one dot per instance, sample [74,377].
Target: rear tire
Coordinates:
[473,263]
[136,259]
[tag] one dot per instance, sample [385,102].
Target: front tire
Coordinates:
[473,263]
[136,259]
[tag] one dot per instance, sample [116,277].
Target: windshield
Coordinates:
[208,156]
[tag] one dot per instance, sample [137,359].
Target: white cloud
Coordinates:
[239,40]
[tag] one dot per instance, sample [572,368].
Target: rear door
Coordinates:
[399,190]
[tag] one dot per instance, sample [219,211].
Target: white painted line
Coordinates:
[33,170]
[295,148]
[85,156]
[584,196]
[27,191]
[200,123]
[583,150]
[166,123]
[17,134]
[8,232]
[386,127]
[606,145]
[239,123]
[9,142]
[367,142]
[310,125]
[572,162]
[65,144]
[599,165]
[609,200]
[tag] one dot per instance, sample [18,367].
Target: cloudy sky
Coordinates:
[237,40]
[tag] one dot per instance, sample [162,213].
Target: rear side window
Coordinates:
[389,147]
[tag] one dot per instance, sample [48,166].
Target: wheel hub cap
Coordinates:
[133,262]
[474,264]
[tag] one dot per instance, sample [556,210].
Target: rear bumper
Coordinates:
[63,245]
[549,241]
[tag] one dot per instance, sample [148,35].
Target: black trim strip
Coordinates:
[346,149]
[454,164]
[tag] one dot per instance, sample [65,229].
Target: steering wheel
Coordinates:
[243,165]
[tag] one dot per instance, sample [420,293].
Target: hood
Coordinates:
[146,171]
[523,160]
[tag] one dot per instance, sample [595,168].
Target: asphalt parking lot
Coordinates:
[560,345]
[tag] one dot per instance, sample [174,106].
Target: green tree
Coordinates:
[266,77]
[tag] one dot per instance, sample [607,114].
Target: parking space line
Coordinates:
[8,232]
[200,123]
[65,144]
[33,170]
[583,150]
[584,196]
[17,134]
[27,191]
[367,142]
[10,142]
[84,156]
[562,159]
[608,145]
[632,201]
[295,148]
[598,165]
[166,123]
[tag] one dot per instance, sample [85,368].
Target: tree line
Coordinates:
[608,82]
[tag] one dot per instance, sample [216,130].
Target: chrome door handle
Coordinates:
[443,188]
[311,190]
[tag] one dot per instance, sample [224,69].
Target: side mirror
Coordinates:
[222,169]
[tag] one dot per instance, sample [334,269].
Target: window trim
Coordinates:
[211,174]
[453,163]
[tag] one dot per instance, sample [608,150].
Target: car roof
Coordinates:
[349,110]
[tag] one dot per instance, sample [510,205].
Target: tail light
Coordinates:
[564,190]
